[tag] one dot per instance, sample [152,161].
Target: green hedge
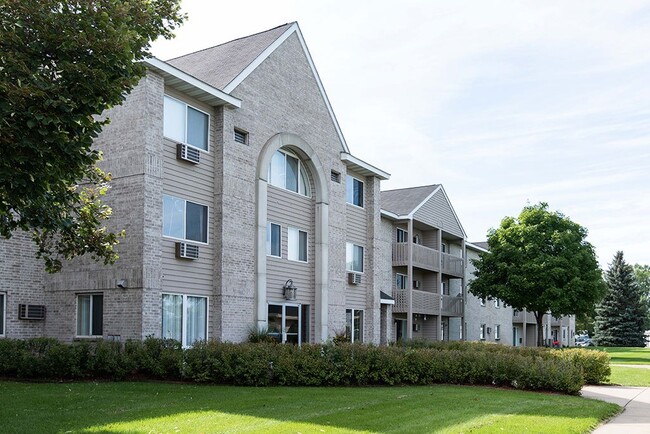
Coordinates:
[269,364]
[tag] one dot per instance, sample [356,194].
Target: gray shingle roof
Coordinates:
[219,65]
[405,200]
[482,244]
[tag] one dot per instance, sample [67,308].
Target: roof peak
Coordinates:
[287,25]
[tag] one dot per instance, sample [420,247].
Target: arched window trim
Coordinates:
[303,184]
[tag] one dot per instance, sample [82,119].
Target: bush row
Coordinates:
[268,364]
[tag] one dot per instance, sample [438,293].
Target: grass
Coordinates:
[161,407]
[627,355]
[630,376]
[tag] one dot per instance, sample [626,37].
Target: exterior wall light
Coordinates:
[289,290]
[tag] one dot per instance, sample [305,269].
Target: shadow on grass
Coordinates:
[160,407]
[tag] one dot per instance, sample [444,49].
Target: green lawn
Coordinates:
[628,355]
[630,376]
[161,407]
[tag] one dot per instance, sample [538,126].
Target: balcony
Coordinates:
[428,259]
[427,303]
[452,305]
[518,317]
[453,265]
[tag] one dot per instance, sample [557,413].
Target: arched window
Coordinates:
[288,172]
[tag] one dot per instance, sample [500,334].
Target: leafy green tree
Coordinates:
[621,314]
[540,262]
[642,276]
[63,63]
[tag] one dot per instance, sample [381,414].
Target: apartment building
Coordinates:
[428,266]
[244,208]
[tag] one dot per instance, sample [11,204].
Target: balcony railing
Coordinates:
[518,317]
[452,305]
[428,259]
[453,265]
[423,302]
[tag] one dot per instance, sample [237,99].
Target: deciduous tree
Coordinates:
[541,262]
[63,63]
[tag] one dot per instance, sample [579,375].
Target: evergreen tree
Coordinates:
[620,316]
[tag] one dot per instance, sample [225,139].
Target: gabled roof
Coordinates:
[481,244]
[225,66]
[404,200]
[221,64]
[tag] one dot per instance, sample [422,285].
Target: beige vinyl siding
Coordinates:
[437,212]
[195,183]
[357,225]
[289,209]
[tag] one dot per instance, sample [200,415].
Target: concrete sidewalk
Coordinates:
[635,418]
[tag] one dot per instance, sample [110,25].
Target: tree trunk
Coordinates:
[539,317]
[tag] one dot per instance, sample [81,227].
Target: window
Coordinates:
[497,303]
[354,191]
[90,312]
[497,332]
[482,332]
[273,240]
[3,312]
[354,325]
[184,318]
[185,124]
[445,249]
[445,288]
[353,258]
[416,239]
[297,245]
[402,236]
[335,176]
[289,323]
[288,172]
[241,136]
[184,220]
[400,281]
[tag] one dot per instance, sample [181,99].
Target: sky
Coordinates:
[505,103]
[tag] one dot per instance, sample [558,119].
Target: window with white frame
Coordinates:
[354,325]
[3,312]
[90,315]
[497,303]
[401,236]
[297,245]
[401,281]
[186,124]
[273,240]
[354,191]
[289,323]
[482,332]
[184,318]
[353,258]
[497,332]
[288,172]
[184,220]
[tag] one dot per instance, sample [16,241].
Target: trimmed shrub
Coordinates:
[593,364]
[340,364]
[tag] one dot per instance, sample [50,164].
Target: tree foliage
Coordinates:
[620,316]
[642,276]
[540,262]
[63,63]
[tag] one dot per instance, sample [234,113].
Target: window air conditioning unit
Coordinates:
[187,153]
[187,251]
[31,311]
[416,284]
[354,278]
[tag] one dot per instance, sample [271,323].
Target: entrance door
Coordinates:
[400,329]
[286,323]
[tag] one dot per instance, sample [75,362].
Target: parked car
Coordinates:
[583,341]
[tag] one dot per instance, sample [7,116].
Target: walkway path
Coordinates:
[635,418]
[630,366]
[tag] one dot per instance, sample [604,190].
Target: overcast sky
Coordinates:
[503,102]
